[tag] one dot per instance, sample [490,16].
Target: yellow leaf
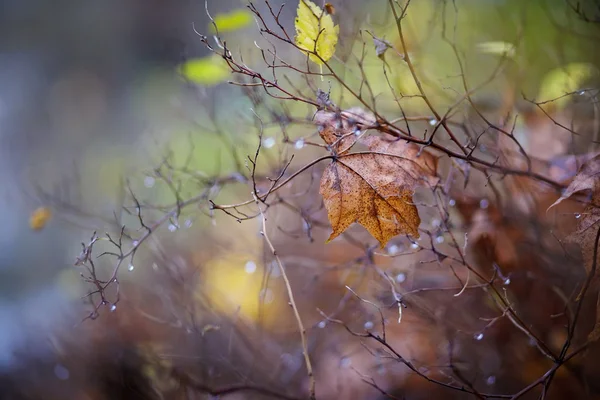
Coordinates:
[499,48]
[205,71]
[39,218]
[232,21]
[233,284]
[315,32]
[561,81]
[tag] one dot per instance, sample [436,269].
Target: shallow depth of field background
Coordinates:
[90,96]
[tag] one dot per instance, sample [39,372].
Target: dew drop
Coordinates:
[490,380]
[149,181]
[401,277]
[483,204]
[268,142]
[577,215]
[135,243]
[452,202]
[414,246]
[478,336]
[432,121]
[436,223]
[393,250]
[439,239]
[369,325]
[188,223]
[113,308]
[322,324]
[131,267]
[345,362]
[582,93]
[299,144]
[357,132]
[172,227]
[507,281]
[61,372]
[250,267]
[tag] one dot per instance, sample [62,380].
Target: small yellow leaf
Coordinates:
[233,285]
[232,21]
[207,71]
[39,218]
[561,81]
[499,48]
[315,32]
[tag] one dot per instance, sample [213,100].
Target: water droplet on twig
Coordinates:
[268,142]
[250,267]
[149,181]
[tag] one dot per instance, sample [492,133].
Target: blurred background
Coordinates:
[91,94]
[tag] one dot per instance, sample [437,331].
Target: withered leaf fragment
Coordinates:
[381,46]
[341,130]
[587,179]
[375,188]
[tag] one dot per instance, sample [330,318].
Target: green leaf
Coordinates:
[207,71]
[232,21]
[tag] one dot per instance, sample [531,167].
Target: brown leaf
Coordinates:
[594,335]
[341,130]
[585,235]
[587,179]
[375,188]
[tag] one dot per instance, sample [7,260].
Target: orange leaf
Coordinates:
[39,218]
[375,188]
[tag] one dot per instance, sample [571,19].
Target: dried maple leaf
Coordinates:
[375,188]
